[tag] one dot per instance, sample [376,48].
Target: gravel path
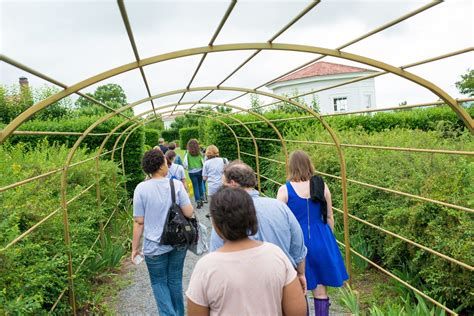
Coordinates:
[137,298]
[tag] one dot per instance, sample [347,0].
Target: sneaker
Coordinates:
[205,199]
[199,204]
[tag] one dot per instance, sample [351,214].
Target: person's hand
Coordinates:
[302,279]
[134,254]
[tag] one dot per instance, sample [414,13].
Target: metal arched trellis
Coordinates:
[212,114]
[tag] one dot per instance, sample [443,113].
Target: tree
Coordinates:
[287,107]
[110,94]
[255,103]
[14,100]
[466,84]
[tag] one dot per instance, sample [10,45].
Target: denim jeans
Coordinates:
[198,185]
[166,277]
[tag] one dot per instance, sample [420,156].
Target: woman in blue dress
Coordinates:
[324,264]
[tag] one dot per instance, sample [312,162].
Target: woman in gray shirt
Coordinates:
[151,202]
[213,169]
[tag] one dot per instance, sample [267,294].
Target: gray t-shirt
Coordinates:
[213,170]
[177,171]
[152,199]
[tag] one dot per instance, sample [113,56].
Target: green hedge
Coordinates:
[438,118]
[33,272]
[132,153]
[185,134]
[170,135]
[151,137]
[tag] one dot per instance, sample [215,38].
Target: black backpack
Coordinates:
[178,230]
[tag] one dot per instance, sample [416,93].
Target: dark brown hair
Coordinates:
[300,167]
[170,155]
[152,161]
[241,173]
[193,147]
[172,146]
[233,213]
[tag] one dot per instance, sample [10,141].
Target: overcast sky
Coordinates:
[73,40]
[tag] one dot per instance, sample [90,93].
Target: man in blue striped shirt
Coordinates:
[276,222]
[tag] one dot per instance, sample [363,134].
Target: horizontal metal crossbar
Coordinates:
[32,228]
[25,181]
[360,146]
[59,133]
[418,197]
[460,263]
[393,276]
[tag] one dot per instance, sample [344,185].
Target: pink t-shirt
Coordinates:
[247,282]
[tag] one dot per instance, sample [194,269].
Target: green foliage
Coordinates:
[185,134]
[15,100]
[466,84]
[151,137]
[33,272]
[132,153]
[401,307]
[170,135]
[110,94]
[445,178]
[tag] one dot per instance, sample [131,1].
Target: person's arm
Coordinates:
[293,302]
[330,216]
[300,269]
[197,310]
[282,194]
[205,171]
[137,234]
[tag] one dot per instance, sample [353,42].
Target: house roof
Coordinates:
[322,68]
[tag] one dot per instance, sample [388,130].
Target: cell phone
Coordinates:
[138,259]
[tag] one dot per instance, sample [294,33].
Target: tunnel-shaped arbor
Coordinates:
[193,108]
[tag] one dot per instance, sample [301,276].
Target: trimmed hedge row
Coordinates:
[185,134]
[170,135]
[151,137]
[132,153]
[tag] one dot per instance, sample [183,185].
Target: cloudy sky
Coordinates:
[73,40]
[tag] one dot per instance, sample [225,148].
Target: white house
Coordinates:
[352,97]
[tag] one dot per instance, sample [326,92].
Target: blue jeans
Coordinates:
[198,185]
[166,277]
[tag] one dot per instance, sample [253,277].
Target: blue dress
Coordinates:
[324,264]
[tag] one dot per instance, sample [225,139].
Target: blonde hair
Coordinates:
[212,151]
[300,167]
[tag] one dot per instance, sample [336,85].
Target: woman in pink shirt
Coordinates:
[243,277]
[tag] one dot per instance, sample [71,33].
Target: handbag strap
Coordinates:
[173,198]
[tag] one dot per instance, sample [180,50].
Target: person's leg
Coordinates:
[158,271]
[321,301]
[203,188]
[175,279]
[196,186]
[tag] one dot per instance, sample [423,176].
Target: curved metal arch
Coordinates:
[336,141]
[232,47]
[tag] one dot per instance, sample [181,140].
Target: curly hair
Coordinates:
[193,147]
[233,213]
[152,161]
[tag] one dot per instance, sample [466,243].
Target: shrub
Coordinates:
[132,152]
[442,177]
[33,272]
[185,134]
[151,137]
[170,135]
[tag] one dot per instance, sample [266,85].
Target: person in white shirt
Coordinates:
[213,169]
[175,171]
